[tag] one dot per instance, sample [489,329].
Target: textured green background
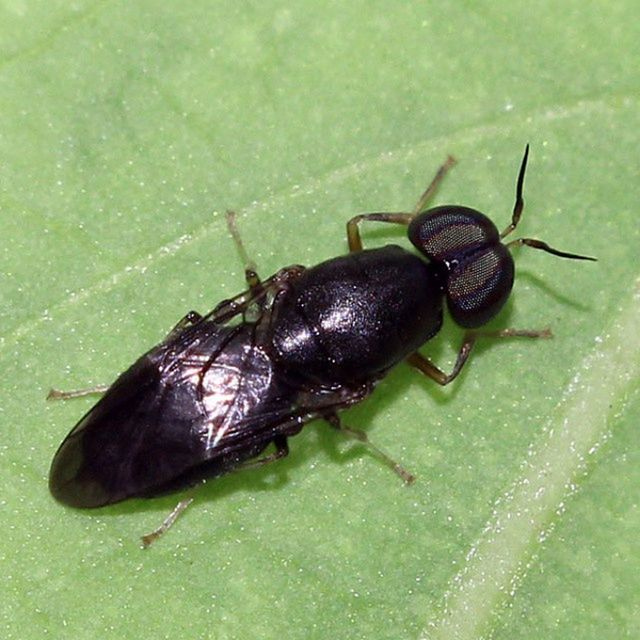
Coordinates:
[127,128]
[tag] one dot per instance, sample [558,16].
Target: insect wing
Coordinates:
[206,397]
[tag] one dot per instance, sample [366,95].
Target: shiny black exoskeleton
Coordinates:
[300,345]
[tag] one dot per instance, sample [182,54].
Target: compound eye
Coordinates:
[479,267]
[478,286]
[449,233]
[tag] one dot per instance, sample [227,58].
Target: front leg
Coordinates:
[353,229]
[427,368]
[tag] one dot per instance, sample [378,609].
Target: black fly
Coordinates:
[303,344]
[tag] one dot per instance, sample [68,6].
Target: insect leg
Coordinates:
[425,366]
[282,451]
[250,273]
[166,524]
[56,394]
[227,309]
[434,184]
[353,230]
[190,318]
[334,420]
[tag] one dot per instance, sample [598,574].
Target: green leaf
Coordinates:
[129,128]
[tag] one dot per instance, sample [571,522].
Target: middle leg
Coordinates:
[334,420]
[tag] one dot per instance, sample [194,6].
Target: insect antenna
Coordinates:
[539,244]
[517,214]
[519,205]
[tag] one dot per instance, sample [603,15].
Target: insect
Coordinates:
[300,345]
